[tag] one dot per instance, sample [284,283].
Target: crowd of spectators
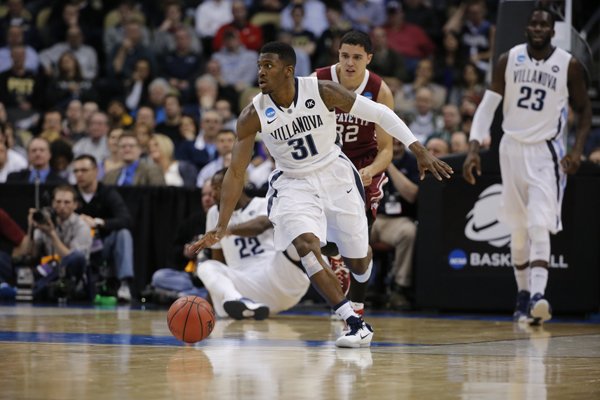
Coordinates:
[152,89]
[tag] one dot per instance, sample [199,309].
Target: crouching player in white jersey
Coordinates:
[247,277]
[536,80]
[315,193]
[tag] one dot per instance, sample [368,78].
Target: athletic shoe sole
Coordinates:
[540,312]
[238,310]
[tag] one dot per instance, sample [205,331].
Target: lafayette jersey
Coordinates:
[240,251]
[536,95]
[358,137]
[301,138]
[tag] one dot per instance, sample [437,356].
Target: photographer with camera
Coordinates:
[61,239]
[12,240]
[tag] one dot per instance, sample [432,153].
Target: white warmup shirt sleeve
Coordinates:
[484,115]
[384,117]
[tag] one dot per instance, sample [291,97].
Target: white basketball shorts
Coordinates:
[533,184]
[328,203]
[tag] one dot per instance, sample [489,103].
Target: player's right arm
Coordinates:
[253,227]
[482,121]
[248,125]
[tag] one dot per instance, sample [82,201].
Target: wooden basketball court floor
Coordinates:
[124,353]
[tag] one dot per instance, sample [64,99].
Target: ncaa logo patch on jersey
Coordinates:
[270,112]
[555,68]
[310,103]
[368,95]
[520,58]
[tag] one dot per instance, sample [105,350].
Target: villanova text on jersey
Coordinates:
[301,124]
[526,75]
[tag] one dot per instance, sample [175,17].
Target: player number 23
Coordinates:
[530,98]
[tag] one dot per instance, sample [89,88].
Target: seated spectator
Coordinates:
[115,26]
[225,109]
[134,172]
[421,13]
[251,35]
[301,38]
[85,55]
[145,115]
[424,122]
[177,173]
[206,89]
[136,88]
[143,133]
[237,63]
[396,222]
[438,147]
[337,26]
[224,143]
[21,91]
[405,98]
[303,64]
[38,154]
[173,114]
[408,39]
[225,89]
[51,126]
[117,113]
[471,86]
[15,37]
[210,16]
[74,124]
[314,16]
[449,61]
[158,90]
[62,155]
[451,122]
[10,160]
[202,149]
[386,62]
[12,241]
[68,84]
[113,161]
[166,35]
[17,15]
[123,58]
[459,143]
[95,141]
[182,64]
[364,15]
[103,210]
[63,238]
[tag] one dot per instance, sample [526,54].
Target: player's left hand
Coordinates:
[209,239]
[365,176]
[570,163]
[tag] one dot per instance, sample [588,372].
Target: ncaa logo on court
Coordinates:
[482,221]
[270,112]
[457,259]
[368,95]
[310,103]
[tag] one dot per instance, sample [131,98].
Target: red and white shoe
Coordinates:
[341,272]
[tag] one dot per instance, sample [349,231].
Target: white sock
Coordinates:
[539,279]
[345,311]
[522,278]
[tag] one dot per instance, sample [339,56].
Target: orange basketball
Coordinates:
[191,319]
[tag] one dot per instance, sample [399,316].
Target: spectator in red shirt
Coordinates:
[408,39]
[250,35]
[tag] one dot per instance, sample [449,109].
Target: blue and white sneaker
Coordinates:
[539,309]
[521,313]
[246,308]
[359,335]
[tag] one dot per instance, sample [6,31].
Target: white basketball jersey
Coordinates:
[536,95]
[301,138]
[244,251]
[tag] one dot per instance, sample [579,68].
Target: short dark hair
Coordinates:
[89,157]
[541,8]
[358,38]
[285,52]
[65,188]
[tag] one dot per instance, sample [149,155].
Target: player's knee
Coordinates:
[306,243]
[519,246]
[540,243]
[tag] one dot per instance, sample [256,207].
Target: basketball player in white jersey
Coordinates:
[536,81]
[246,277]
[315,193]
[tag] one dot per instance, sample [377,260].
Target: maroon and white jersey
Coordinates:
[357,136]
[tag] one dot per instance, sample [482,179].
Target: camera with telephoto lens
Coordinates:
[44,216]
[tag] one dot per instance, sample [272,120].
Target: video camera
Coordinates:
[44,216]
